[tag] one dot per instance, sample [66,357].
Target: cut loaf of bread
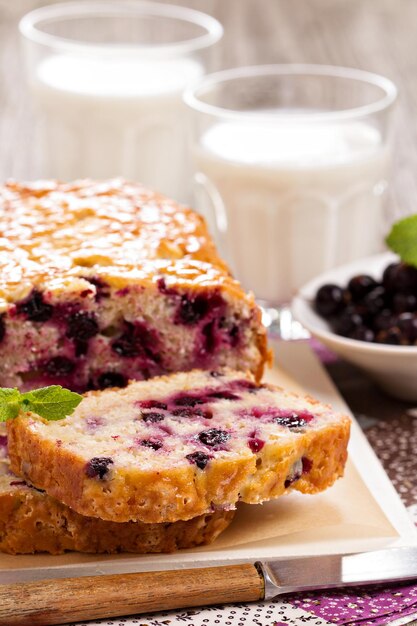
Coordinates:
[105,282]
[31,521]
[180,446]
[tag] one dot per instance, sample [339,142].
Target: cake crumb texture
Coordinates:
[31,522]
[179,446]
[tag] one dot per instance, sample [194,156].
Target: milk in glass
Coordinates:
[293,199]
[112,116]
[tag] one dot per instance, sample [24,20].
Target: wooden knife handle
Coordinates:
[64,600]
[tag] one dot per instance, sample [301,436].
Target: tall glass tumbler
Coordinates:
[291,167]
[107,77]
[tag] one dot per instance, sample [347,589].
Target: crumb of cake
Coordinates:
[129,452]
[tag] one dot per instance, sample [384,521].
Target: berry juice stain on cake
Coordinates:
[34,308]
[98,467]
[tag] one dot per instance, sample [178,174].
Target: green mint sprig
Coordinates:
[52,403]
[403,239]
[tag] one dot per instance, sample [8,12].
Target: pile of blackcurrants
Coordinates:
[375,311]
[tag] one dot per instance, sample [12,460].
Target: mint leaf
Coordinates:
[52,403]
[403,239]
[9,403]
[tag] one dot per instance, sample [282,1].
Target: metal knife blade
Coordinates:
[342,570]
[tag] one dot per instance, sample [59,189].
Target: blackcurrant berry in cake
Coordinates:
[188,401]
[192,412]
[98,466]
[111,379]
[215,374]
[247,385]
[126,346]
[224,395]
[330,300]
[255,444]
[34,307]
[102,288]
[151,443]
[191,311]
[81,347]
[82,326]
[198,458]
[295,474]
[152,404]
[360,285]
[289,481]
[307,464]
[209,337]
[153,417]
[59,366]
[2,328]
[167,291]
[136,340]
[213,437]
[234,334]
[293,420]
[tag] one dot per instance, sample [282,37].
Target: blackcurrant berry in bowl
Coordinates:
[329,300]
[347,322]
[404,302]
[366,313]
[360,285]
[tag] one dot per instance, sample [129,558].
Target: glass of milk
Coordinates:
[291,169]
[107,78]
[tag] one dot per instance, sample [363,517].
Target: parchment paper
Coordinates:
[344,518]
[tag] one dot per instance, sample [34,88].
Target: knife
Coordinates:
[59,601]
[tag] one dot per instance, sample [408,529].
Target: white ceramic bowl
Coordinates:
[393,368]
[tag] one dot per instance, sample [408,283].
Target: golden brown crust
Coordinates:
[266,353]
[31,521]
[182,490]
[170,495]
[53,232]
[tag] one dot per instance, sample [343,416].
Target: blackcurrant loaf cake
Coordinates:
[105,282]
[31,521]
[179,446]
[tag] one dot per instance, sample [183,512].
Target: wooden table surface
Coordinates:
[377,35]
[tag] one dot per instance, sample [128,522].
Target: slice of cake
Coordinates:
[105,282]
[180,446]
[31,521]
